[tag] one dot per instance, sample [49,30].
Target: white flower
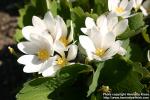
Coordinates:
[58,29]
[100,42]
[44,38]
[62,60]
[38,52]
[148,55]
[120,8]
[137,4]
[105,24]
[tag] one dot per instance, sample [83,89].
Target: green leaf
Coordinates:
[36,89]
[33,8]
[72,71]
[145,35]
[69,90]
[136,21]
[125,43]
[18,35]
[137,67]
[36,7]
[94,83]
[120,76]
[78,17]
[41,88]
[93,97]
[127,34]
[53,7]
[101,6]
[64,6]
[136,26]
[134,53]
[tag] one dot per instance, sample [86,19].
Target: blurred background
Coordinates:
[11,75]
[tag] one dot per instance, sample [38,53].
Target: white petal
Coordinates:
[100,20]
[90,55]
[38,24]
[112,21]
[72,52]
[102,40]
[144,11]
[63,26]
[84,30]
[124,3]
[120,27]
[104,28]
[148,55]
[28,47]
[134,3]
[50,22]
[108,40]
[59,48]
[86,43]
[112,4]
[48,37]
[58,31]
[48,63]
[51,71]
[122,51]
[29,59]
[102,24]
[139,2]
[129,6]
[40,39]
[31,68]
[111,51]
[126,14]
[97,38]
[89,22]
[97,58]
[27,31]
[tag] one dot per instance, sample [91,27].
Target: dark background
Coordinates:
[11,75]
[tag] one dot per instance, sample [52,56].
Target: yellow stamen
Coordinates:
[43,54]
[62,61]
[64,40]
[119,10]
[99,52]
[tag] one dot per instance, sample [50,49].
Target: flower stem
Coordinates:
[47,4]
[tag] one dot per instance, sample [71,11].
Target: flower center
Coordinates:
[61,61]
[119,10]
[43,54]
[64,40]
[99,52]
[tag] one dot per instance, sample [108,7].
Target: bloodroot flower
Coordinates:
[38,49]
[62,60]
[137,4]
[120,8]
[100,40]
[38,53]
[48,41]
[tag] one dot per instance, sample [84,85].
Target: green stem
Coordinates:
[47,4]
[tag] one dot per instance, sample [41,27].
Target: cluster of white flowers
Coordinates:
[47,45]
[50,46]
